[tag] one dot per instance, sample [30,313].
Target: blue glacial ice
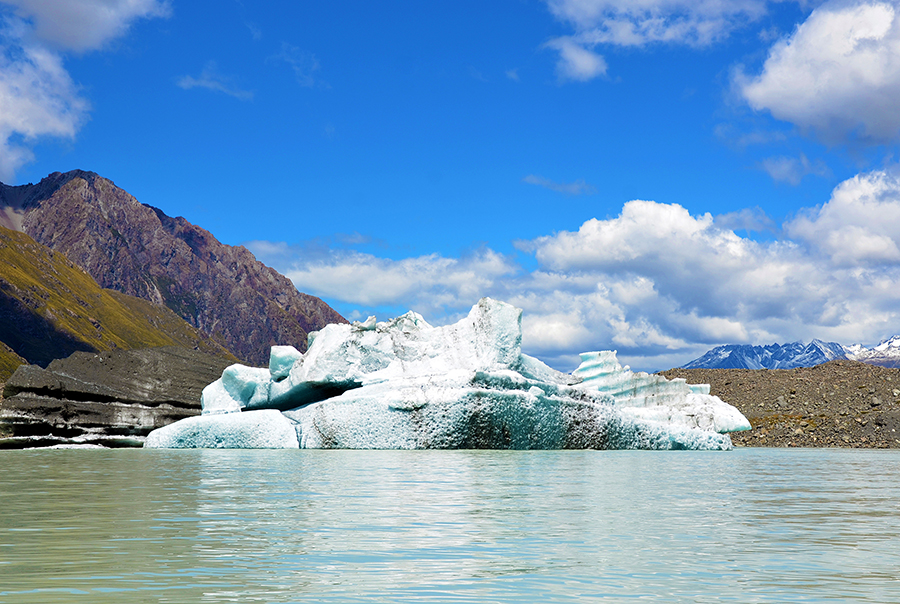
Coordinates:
[403,384]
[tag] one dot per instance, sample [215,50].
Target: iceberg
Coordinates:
[404,384]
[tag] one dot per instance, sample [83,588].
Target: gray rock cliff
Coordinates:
[113,398]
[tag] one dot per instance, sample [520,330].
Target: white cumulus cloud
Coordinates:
[37,96]
[860,225]
[837,74]
[670,280]
[432,283]
[688,267]
[84,24]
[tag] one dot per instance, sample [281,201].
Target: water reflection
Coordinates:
[453,526]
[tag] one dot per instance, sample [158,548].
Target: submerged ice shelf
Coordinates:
[403,384]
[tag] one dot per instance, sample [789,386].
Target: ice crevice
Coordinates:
[404,384]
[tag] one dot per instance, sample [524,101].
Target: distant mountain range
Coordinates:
[136,249]
[796,354]
[886,354]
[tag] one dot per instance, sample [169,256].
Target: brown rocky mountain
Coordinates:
[136,249]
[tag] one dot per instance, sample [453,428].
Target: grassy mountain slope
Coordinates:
[50,308]
[9,360]
[133,248]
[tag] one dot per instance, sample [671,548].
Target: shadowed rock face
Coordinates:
[136,249]
[113,398]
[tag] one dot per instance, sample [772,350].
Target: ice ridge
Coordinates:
[404,384]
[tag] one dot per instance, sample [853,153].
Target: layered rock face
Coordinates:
[114,398]
[136,249]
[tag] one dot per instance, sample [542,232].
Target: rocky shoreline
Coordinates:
[836,404]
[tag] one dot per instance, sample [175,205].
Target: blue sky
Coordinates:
[655,176]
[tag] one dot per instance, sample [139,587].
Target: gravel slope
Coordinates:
[836,404]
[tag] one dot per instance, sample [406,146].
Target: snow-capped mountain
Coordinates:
[796,354]
[886,354]
[772,356]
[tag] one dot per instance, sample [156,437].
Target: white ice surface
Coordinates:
[654,398]
[498,410]
[235,390]
[281,360]
[266,429]
[404,384]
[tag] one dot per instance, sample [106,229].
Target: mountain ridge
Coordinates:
[796,354]
[885,354]
[139,250]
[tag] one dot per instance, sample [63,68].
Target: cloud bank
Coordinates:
[38,98]
[656,282]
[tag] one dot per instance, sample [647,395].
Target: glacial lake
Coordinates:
[750,525]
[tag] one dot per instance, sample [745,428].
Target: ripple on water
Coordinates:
[752,525]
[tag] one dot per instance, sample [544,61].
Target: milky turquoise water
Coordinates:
[751,525]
